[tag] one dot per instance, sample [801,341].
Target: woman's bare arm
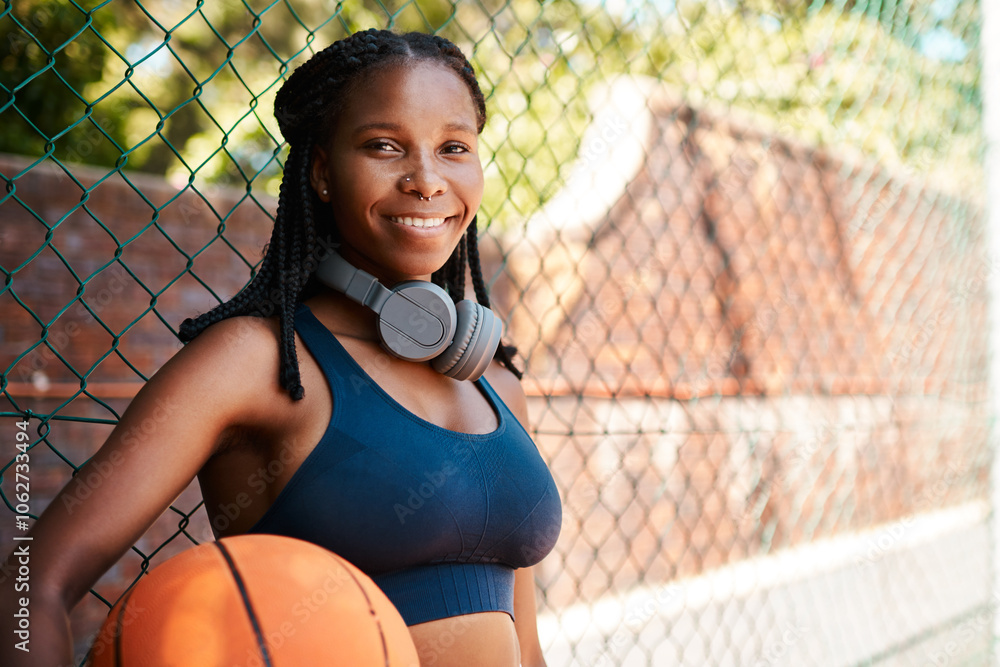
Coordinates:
[167,433]
[526,615]
[525,604]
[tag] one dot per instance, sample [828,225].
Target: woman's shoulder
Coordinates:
[233,362]
[509,389]
[236,346]
[235,334]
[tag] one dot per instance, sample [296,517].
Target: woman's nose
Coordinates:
[424,179]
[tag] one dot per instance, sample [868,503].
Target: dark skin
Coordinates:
[211,414]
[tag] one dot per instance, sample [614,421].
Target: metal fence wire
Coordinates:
[739,245]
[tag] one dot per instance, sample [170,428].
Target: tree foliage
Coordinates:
[186,90]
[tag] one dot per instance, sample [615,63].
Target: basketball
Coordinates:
[254,600]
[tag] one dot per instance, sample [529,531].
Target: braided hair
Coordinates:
[305,107]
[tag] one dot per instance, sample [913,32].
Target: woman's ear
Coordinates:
[318,174]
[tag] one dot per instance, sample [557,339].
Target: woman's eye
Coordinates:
[456,148]
[380,146]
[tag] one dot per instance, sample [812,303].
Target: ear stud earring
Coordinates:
[325,192]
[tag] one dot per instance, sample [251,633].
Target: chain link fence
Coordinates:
[739,244]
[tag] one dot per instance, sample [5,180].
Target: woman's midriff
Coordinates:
[486,639]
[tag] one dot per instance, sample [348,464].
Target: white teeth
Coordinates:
[419,222]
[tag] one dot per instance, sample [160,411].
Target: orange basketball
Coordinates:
[254,601]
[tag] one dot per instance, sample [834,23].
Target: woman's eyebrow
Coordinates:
[376,126]
[453,126]
[460,126]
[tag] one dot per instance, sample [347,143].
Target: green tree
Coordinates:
[51,54]
[186,91]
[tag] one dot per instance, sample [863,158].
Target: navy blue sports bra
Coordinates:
[438,519]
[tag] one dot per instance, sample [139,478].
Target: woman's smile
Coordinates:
[424,223]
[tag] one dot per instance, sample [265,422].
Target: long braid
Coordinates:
[296,279]
[451,276]
[504,352]
[305,107]
[439,277]
[458,277]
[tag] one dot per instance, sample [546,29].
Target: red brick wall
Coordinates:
[154,230]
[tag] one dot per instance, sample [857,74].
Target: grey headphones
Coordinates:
[417,320]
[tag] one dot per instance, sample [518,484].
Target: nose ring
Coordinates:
[420,196]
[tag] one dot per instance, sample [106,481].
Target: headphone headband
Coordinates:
[418,320]
[359,286]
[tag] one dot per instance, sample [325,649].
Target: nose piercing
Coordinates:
[420,196]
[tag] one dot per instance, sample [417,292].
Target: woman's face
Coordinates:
[406,132]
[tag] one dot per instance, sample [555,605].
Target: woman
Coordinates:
[426,482]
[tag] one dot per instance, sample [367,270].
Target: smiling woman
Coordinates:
[428,483]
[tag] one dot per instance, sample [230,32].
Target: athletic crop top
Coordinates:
[438,519]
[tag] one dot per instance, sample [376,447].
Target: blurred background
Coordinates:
[741,245]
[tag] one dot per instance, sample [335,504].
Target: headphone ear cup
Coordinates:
[417,321]
[477,337]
